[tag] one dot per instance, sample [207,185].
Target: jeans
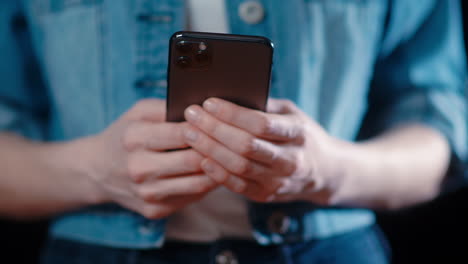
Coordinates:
[365,245]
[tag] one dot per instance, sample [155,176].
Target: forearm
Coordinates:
[38,180]
[400,168]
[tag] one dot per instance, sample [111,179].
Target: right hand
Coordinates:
[132,167]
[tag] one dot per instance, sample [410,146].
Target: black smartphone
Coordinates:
[236,68]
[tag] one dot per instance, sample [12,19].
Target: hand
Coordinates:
[133,168]
[281,155]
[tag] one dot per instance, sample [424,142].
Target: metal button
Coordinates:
[226,257]
[279,223]
[251,12]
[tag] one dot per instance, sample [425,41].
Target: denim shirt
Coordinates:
[69,68]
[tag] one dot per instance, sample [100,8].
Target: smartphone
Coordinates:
[236,68]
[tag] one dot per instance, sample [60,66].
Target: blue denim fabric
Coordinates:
[361,246]
[70,68]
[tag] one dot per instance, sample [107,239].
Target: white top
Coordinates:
[220,213]
[207,16]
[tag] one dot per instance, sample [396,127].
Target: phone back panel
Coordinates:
[232,67]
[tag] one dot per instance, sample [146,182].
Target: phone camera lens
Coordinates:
[183,62]
[184,46]
[202,56]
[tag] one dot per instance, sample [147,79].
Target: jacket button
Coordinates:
[279,223]
[226,257]
[251,12]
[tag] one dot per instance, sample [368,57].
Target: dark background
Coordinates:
[435,232]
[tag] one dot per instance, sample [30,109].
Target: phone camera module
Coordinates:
[184,46]
[183,62]
[202,46]
[202,56]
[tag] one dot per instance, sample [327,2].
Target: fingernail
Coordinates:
[191,135]
[210,106]
[207,166]
[192,115]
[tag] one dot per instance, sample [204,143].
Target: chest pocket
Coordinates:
[68,35]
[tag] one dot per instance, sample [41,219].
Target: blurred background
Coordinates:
[435,232]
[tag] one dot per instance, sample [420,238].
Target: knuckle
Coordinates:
[222,176]
[265,125]
[129,140]
[192,159]
[249,146]
[179,131]
[200,187]
[224,110]
[208,145]
[135,169]
[242,167]
[145,195]
[157,196]
[301,133]
[211,125]
[297,130]
[293,164]
[288,104]
[155,213]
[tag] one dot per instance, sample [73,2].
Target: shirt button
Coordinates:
[251,12]
[226,257]
[279,223]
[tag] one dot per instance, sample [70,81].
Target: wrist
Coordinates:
[337,177]
[78,159]
[327,172]
[358,167]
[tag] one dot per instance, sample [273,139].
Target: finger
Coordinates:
[152,110]
[261,192]
[282,107]
[232,162]
[160,190]
[264,125]
[221,176]
[154,136]
[234,138]
[159,210]
[145,165]
[236,183]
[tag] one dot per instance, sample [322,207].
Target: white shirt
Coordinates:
[220,213]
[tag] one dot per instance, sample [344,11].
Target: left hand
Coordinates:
[281,155]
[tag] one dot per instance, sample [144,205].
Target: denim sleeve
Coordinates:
[23,99]
[421,74]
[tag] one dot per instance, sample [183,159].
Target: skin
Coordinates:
[126,164]
[283,155]
[278,156]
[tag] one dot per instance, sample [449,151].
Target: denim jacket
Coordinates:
[69,68]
